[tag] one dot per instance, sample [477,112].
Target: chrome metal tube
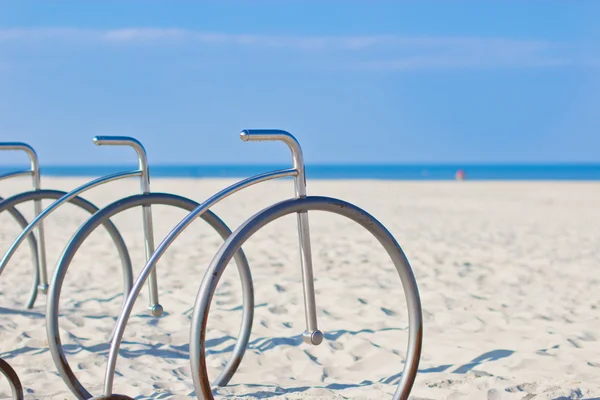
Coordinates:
[34,249]
[262,135]
[33,159]
[9,175]
[13,380]
[154,306]
[54,206]
[312,334]
[160,250]
[37,207]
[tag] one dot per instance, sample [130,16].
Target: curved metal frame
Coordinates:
[34,172]
[47,194]
[14,174]
[34,253]
[142,172]
[264,217]
[85,230]
[311,335]
[160,250]
[13,380]
[154,306]
[300,205]
[54,206]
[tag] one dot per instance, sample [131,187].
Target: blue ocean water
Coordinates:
[385,172]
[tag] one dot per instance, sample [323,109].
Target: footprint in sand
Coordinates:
[388,311]
[277,310]
[279,288]
[336,345]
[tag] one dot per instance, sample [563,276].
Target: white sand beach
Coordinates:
[508,273]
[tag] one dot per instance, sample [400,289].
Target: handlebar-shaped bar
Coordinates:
[155,308]
[139,149]
[33,158]
[261,135]
[117,141]
[266,134]
[312,334]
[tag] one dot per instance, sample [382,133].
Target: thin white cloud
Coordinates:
[401,52]
[448,62]
[158,35]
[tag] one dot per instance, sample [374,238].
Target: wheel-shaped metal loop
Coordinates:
[259,220]
[52,325]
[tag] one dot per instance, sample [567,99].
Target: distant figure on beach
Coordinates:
[460,175]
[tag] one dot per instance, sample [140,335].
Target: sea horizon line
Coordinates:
[397,171]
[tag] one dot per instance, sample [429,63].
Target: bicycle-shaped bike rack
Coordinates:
[34,172]
[300,205]
[145,199]
[38,242]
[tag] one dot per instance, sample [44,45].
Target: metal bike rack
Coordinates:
[34,172]
[300,204]
[259,220]
[38,244]
[142,171]
[102,217]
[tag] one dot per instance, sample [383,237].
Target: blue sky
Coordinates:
[357,82]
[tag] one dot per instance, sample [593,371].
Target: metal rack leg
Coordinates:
[34,254]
